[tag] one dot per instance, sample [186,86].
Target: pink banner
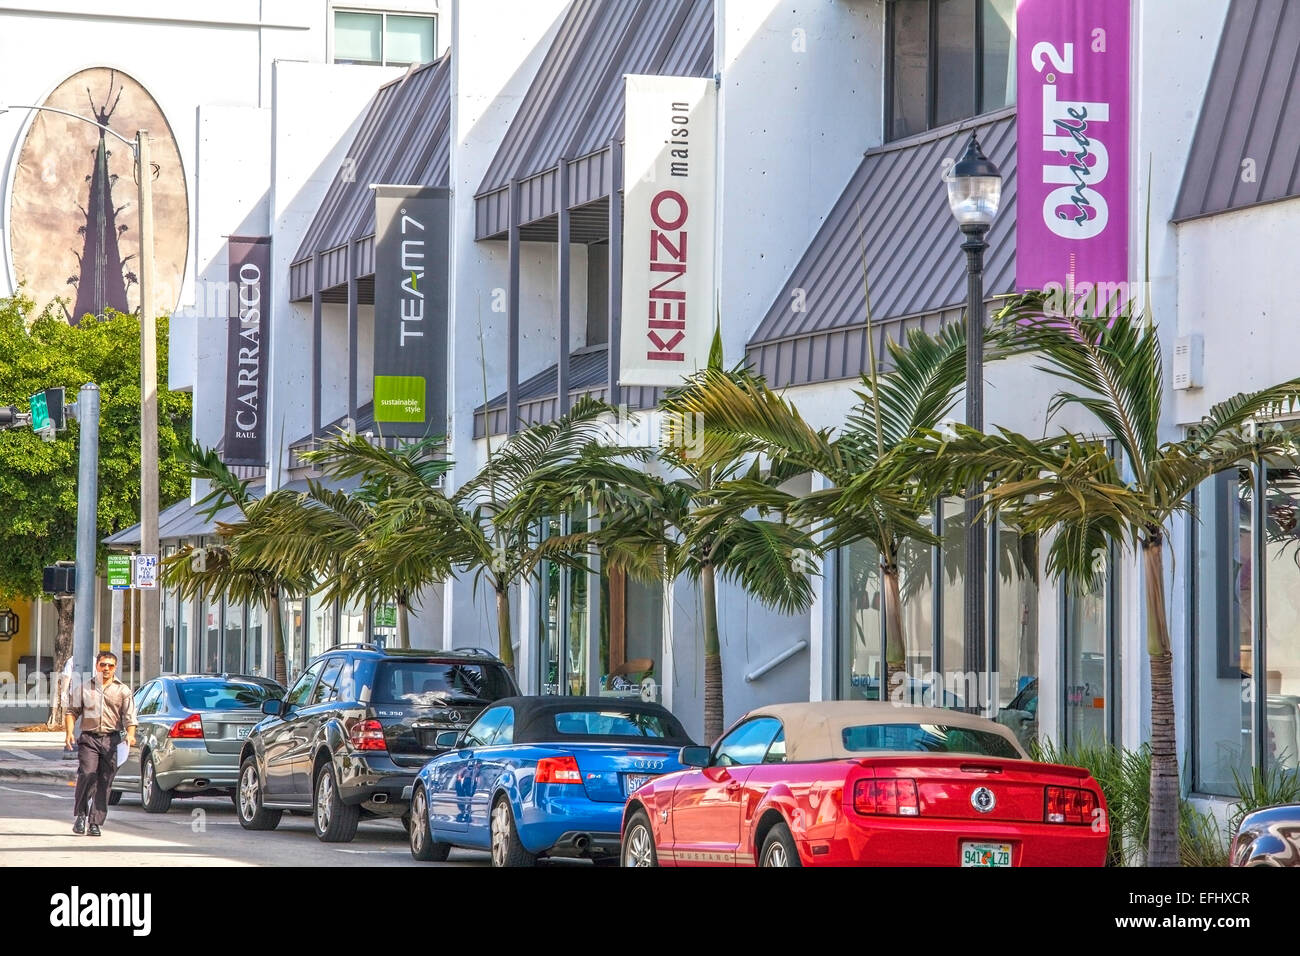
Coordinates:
[1072,76]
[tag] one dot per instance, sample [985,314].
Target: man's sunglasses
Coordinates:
[106,665]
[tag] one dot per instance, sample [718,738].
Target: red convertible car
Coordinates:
[861,783]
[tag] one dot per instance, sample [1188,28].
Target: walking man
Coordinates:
[106,708]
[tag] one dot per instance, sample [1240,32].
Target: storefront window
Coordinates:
[352,623]
[295,635]
[321,632]
[184,608]
[1089,635]
[954,585]
[565,610]
[168,618]
[860,622]
[1224,742]
[232,652]
[253,641]
[1281,665]
[1017,619]
[631,637]
[210,651]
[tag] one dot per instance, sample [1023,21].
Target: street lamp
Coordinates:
[974,192]
[149,629]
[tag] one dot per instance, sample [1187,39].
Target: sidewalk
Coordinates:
[35,757]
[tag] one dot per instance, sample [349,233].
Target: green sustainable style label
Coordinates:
[399,398]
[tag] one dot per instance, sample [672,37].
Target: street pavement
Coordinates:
[36,787]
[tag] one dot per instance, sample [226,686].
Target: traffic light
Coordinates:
[54,407]
[40,412]
[47,412]
[59,578]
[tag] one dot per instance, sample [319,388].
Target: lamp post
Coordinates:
[974,192]
[149,632]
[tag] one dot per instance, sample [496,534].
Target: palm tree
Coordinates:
[871,497]
[692,522]
[219,569]
[1071,486]
[336,538]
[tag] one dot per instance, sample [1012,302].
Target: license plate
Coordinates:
[632,782]
[986,854]
[242,732]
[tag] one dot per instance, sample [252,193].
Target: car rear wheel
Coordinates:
[153,797]
[639,842]
[336,821]
[248,801]
[422,845]
[779,848]
[506,848]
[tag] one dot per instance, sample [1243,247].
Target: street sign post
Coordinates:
[119,572]
[146,571]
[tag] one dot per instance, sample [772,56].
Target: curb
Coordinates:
[37,776]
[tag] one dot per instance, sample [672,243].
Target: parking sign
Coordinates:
[146,571]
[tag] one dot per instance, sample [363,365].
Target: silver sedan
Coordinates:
[190,731]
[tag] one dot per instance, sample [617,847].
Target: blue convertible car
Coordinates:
[541,776]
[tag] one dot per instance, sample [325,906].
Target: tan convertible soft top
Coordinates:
[814,731]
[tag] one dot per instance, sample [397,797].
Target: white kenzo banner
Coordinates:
[668,201]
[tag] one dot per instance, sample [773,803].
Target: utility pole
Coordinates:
[83,630]
[150,652]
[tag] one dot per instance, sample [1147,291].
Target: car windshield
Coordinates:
[434,683]
[613,723]
[927,738]
[225,695]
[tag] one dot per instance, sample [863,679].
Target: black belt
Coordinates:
[101,733]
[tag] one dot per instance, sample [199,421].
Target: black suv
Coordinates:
[355,729]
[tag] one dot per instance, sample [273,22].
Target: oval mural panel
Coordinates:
[74,226]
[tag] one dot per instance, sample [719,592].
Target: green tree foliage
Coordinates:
[38,479]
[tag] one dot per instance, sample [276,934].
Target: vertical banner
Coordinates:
[411,224]
[246,360]
[668,229]
[1072,127]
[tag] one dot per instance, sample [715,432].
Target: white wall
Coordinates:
[498,48]
[308,146]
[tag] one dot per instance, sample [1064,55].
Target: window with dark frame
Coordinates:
[947,60]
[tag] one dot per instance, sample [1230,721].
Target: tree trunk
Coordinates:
[403,622]
[1162,848]
[713,693]
[895,644]
[64,604]
[505,647]
[277,638]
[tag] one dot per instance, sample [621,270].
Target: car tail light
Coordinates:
[1069,805]
[558,770]
[367,735]
[190,728]
[886,796]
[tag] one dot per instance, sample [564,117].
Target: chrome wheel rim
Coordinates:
[776,855]
[640,848]
[147,781]
[418,822]
[248,793]
[500,832]
[324,793]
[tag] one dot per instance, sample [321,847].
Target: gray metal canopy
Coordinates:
[574,109]
[404,138]
[896,209]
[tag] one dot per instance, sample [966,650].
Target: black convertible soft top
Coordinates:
[535,720]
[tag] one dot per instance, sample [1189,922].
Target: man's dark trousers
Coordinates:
[96,764]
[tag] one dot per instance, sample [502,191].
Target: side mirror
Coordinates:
[693,756]
[272,707]
[446,739]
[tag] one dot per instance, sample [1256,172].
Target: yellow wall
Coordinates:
[24,642]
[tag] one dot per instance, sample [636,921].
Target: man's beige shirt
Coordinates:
[103,710]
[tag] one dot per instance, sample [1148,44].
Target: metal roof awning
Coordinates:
[181,520]
[1249,113]
[404,138]
[895,213]
[539,395]
[364,422]
[574,109]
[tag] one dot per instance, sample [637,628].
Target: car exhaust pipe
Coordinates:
[380,798]
[201,783]
[582,843]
